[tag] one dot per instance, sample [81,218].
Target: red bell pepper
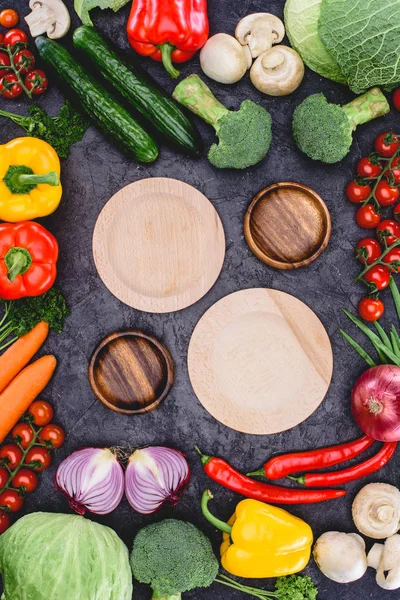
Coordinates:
[28,257]
[168,30]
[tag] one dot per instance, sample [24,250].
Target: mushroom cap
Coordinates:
[223,59]
[388,570]
[259,31]
[48,16]
[278,71]
[376,510]
[341,556]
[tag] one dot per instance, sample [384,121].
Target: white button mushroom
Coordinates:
[223,59]
[48,16]
[341,556]
[259,31]
[385,558]
[376,510]
[278,71]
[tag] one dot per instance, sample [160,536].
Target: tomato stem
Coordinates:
[11,54]
[379,260]
[379,179]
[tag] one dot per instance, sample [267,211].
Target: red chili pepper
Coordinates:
[222,472]
[28,257]
[286,464]
[168,30]
[373,464]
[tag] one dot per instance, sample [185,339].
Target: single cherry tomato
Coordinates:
[368,250]
[39,455]
[42,412]
[393,258]
[396,99]
[36,82]
[388,231]
[9,86]
[54,434]
[11,455]
[366,168]
[5,522]
[12,500]
[4,475]
[356,192]
[15,36]
[378,276]
[8,18]
[394,174]
[24,61]
[387,144]
[386,194]
[23,433]
[371,309]
[4,63]
[367,217]
[27,479]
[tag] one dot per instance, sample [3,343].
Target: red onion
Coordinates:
[155,476]
[375,403]
[92,479]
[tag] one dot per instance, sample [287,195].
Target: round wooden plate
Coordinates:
[131,372]
[159,245]
[260,361]
[287,225]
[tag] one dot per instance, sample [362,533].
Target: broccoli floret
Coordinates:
[324,131]
[173,557]
[244,135]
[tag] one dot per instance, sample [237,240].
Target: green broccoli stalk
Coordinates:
[174,557]
[324,131]
[244,135]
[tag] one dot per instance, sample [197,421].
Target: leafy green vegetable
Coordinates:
[295,588]
[82,7]
[301,22]
[67,128]
[363,38]
[63,557]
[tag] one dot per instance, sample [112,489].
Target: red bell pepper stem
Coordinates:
[17,261]
[166,55]
[218,524]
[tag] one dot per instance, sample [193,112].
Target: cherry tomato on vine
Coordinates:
[8,18]
[396,212]
[386,194]
[3,477]
[41,411]
[366,168]
[24,61]
[12,455]
[54,434]
[356,192]
[396,99]
[4,62]
[40,455]
[387,144]
[27,479]
[394,173]
[15,36]
[5,522]
[367,217]
[393,231]
[9,86]
[393,256]
[368,250]
[36,82]
[371,309]
[379,276]
[23,433]
[12,500]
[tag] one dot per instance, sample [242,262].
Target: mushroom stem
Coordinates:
[374,556]
[272,60]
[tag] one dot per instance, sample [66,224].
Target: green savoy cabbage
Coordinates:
[47,556]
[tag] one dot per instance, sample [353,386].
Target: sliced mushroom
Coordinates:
[376,510]
[278,71]
[341,556]
[223,59]
[385,558]
[259,31]
[48,16]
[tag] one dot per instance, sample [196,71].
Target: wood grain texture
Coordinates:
[159,245]
[131,372]
[287,225]
[260,361]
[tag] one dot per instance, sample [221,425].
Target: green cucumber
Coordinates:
[150,100]
[98,103]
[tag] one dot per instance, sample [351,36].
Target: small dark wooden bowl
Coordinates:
[131,372]
[287,225]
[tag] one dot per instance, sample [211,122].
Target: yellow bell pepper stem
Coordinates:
[21,179]
[221,525]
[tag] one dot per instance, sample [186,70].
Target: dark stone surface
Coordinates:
[94,171]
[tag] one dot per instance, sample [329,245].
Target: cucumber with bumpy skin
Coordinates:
[105,111]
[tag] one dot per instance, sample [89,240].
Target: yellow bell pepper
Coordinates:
[261,540]
[29,180]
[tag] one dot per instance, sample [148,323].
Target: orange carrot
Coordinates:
[22,391]
[17,356]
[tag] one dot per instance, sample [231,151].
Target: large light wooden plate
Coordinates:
[260,361]
[159,245]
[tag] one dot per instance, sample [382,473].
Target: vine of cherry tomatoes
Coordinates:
[376,188]
[30,452]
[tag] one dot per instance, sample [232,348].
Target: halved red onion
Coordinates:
[154,476]
[92,479]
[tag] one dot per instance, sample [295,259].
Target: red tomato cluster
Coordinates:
[17,63]
[34,439]
[376,188]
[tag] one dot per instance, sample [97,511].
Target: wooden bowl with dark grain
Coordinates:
[287,225]
[131,372]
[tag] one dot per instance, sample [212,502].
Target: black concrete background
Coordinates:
[94,171]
